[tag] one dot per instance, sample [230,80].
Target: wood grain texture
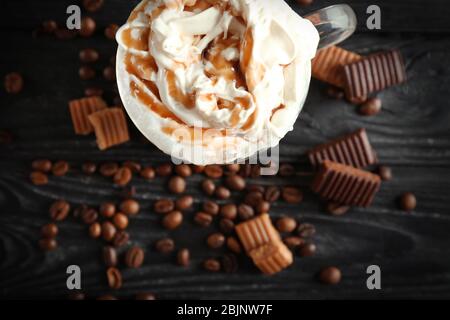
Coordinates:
[411,134]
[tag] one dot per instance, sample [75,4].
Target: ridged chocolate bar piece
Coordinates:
[374,73]
[257,232]
[110,127]
[80,110]
[272,257]
[328,65]
[353,149]
[345,184]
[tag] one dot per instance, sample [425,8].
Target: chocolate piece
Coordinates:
[328,63]
[80,110]
[110,127]
[374,73]
[353,149]
[272,257]
[257,232]
[345,184]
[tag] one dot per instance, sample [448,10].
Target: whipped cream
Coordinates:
[214,81]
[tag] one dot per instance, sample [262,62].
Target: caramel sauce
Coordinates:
[200,5]
[141,67]
[281,106]
[250,121]
[141,43]
[187,100]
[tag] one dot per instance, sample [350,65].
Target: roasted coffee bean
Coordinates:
[109,256]
[107,297]
[211,207]
[235,182]
[222,193]
[134,258]
[208,187]
[48,244]
[229,211]
[233,168]
[337,209]
[226,226]
[127,192]
[49,26]
[332,91]
[184,202]
[79,210]
[253,198]
[59,210]
[111,30]
[92,5]
[165,245]
[183,257]
[88,26]
[330,275]
[38,178]
[89,168]
[164,170]
[145,296]
[148,173]
[213,171]
[108,230]
[245,170]
[215,240]
[203,219]
[245,212]
[177,185]
[183,170]
[114,278]
[65,34]
[89,216]
[109,73]
[76,296]
[198,169]
[286,224]
[385,173]
[272,194]
[95,230]
[172,220]
[86,73]
[120,220]
[42,165]
[212,265]
[286,170]
[255,188]
[371,107]
[123,176]
[163,206]
[306,230]
[135,167]
[234,245]
[93,91]
[229,263]
[293,242]
[130,207]
[13,83]
[107,209]
[263,207]
[120,239]
[255,171]
[60,168]
[307,250]
[109,169]
[408,201]
[49,230]
[292,195]
[88,55]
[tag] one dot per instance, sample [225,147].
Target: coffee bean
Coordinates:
[183,257]
[184,202]
[306,230]
[385,173]
[226,226]
[233,168]
[263,207]
[235,182]
[42,165]
[134,258]
[198,169]
[212,265]
[203,219]
[370,107]
[148,173]
[123,176]
[13,83]
[286,224]
[245,212]
[307,250]
[79,210]
[255,171]
[292,195]
[272,194]
[245,170]
[65,34]
[108,231]
[222,193]
[48,244]
[253,198]
[114,278]
[229,263]
[165,245]
[337,209]
[172,220]
[255,188]
[211,207]
[93,92]
[213,171]
[107,297]
[76,296]
[89,168]
[59,210]
[60,168]
[49,26]
[109,74]
[145,296]
[408,201]
[164,170]
[88,26]
[293,242]
[95,230]
[109,169]
[127,192]
[130,207]
[111,30]
[89,216]
[332,91]
[229,211]
[107,209]
[120,220]
[163,206]
[233,245]
[330,275]
[120,239]
[109,256]
[38,178]
[88,55]
[286,170]
[177,185]
[49,230]
[183,170]
[208,187]
[86,73]
[92,5]
[215,240]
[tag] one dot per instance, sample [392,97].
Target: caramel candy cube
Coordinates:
[80,110]
[272,257]
[257,232]
[110,126]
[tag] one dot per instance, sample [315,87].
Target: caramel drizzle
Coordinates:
[141,43]
[187,100]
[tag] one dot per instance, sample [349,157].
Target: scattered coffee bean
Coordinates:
[203,219]
[13,83]
[89,168]
[109,73]
[229,263]
[79,210]
[332,91]
[307,250]
[107,297]
[213,171]
[48,244]
[330,275]
[255,171]
[233,168]
[385,173]
[92,5]
[120,239]
[255,188]
[38,178]
[76,296]
[286,170]
[198,169]
[235,182]
[134,258]
[93,92]
[109,169]
[212,265]
[226,226]
[211,207]
[148,173]
[60,168]
[127,192]
[337,209]
[120,220]
[59,210]
[165,245]
[86,73]
[245,212]
[111,30]
[272,194]
[135,167]
[408,201]
[222,193]
[89,216]
[130,207]
[163,206]
[88,55]
[114,278]
[234,245]
[108,231]
[293,242]
[229,211]
[183,170]
[49,230]
[245,170]
[145,296]
[123,176]
[370,107]
[109,256]
[88,26]
[42,165]
[172,220]
[208,187]
[286,224]
[65,34]
[164,170]
[107,209]
[306,230]
[292,195]
[215,240]
[184,202]
[263,207]
[95,230]
[183,257]
[177,185]
[49,26]
[253,198]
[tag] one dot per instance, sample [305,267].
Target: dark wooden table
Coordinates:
[411,135]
